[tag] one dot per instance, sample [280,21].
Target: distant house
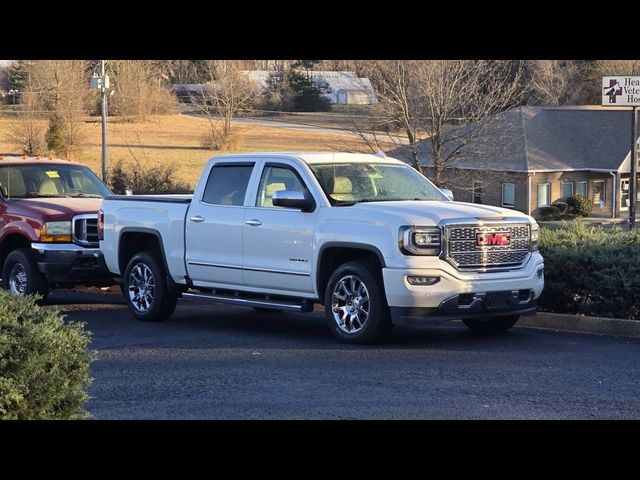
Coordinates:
[530,157]
[346,87]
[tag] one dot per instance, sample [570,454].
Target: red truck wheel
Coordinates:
[21,276]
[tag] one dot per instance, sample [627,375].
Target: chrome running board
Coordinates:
[290,306]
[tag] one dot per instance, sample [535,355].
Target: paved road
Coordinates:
[310,128]
[231,363]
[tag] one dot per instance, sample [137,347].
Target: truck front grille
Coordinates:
[85,230]
[463,252]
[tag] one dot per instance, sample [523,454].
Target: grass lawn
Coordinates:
[175,139]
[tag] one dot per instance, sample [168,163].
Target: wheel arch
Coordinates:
[12,242]
[334,254]
[133,240]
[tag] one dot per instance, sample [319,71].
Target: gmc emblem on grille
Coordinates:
[485,239]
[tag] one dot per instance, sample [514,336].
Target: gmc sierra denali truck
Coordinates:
[369,237]
[48,225]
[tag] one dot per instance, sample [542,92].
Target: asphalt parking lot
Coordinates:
[220,362]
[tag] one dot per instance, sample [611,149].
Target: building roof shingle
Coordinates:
[544,138]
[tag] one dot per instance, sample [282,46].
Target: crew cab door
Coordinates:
[278,241]
[214,226]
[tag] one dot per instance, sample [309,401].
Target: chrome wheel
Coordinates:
[350,304]
[18,279]
[142,287]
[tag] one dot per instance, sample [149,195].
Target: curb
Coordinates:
[582,324]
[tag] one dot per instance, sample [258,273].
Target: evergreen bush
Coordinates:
[44,362]
[591,271]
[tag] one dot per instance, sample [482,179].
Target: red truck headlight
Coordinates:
[56,232]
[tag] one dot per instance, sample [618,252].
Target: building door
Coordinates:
[624,194]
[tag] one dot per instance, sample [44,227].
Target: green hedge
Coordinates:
[591,271]
[44,362]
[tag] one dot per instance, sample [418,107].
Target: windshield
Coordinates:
[351,183]
[54,180]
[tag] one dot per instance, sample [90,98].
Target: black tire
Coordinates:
[376,325]
[491,325]
[266,310]
[20,274]
[152,303]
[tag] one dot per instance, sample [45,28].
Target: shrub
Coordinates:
[216,139]
[561,206]
[548,213]
[53,137]
[44,362]
[579,205]
[146,180]
[591,271]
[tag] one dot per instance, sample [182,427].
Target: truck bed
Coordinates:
[159,215]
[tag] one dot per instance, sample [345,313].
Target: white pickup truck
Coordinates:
[367,236]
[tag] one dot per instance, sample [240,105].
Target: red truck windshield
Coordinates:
[50,180]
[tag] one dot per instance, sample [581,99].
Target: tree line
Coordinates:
[447,101]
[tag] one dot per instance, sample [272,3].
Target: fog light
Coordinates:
[540,272]
[419,280]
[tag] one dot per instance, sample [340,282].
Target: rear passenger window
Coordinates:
[227,184]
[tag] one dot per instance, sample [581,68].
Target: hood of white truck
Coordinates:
[428,213]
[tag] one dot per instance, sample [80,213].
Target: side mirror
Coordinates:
[292,199]
[447,193]
[128,192]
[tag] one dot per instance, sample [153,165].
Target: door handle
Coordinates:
[253,223]
[197,218]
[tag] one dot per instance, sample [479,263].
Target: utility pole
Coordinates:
[103,110]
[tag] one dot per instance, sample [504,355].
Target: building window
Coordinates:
[508,195]
[581,188]
[599,194]
[566,190]
[476,197]
[624,194]
[544,194]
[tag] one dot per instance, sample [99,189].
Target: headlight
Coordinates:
[535,236]
[56,232]
[420,240]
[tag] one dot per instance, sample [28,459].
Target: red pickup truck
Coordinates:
[49,225]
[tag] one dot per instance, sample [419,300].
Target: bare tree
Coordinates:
[554,82]
[28,133]
[448,101]
[139,87]
[224,91]
[58,89]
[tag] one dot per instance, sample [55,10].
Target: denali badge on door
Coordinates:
[485,239]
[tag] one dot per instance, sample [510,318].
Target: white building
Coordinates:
[346,87]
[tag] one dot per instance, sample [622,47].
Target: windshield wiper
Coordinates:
[42,195]
[350,203]
[86,195]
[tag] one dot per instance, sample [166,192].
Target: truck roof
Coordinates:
[4,160]
[316,157]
